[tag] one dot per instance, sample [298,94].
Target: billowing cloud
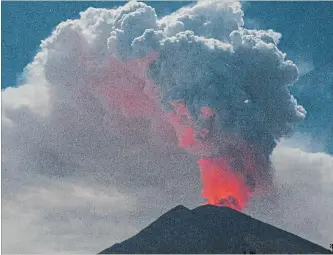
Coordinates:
[89,156]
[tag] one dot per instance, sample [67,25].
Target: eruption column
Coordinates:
[227,166]
[223,184]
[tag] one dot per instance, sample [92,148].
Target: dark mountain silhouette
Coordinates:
[211,229]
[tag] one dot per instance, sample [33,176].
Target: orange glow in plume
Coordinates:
[222,185]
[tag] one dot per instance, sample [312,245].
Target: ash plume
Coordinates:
[140,103]
[225,88]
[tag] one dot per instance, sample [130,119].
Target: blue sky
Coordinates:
[307,28]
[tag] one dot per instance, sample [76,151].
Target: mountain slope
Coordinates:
[210,229]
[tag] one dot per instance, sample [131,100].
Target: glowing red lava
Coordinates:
[222,186]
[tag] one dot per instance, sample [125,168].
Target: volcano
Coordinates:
[211,229]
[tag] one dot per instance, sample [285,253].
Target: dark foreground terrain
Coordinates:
[210,229]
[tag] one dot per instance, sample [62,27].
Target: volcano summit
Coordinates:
[211,229]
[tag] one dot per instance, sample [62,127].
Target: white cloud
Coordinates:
[64,216]
[304,66]
[302,200]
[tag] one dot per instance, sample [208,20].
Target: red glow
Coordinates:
[126,89]
[222,186]
[206,112]
[182,123]
[131,94]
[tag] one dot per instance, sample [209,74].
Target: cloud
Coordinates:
[304,67]
[210,19]
[87,156]
[301,202]
[38,219]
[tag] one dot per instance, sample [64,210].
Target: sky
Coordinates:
[77,177]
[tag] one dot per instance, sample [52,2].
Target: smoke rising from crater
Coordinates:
[205,61]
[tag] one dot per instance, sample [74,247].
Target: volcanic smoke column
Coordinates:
[223,88]
[229,103]
[228,168]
